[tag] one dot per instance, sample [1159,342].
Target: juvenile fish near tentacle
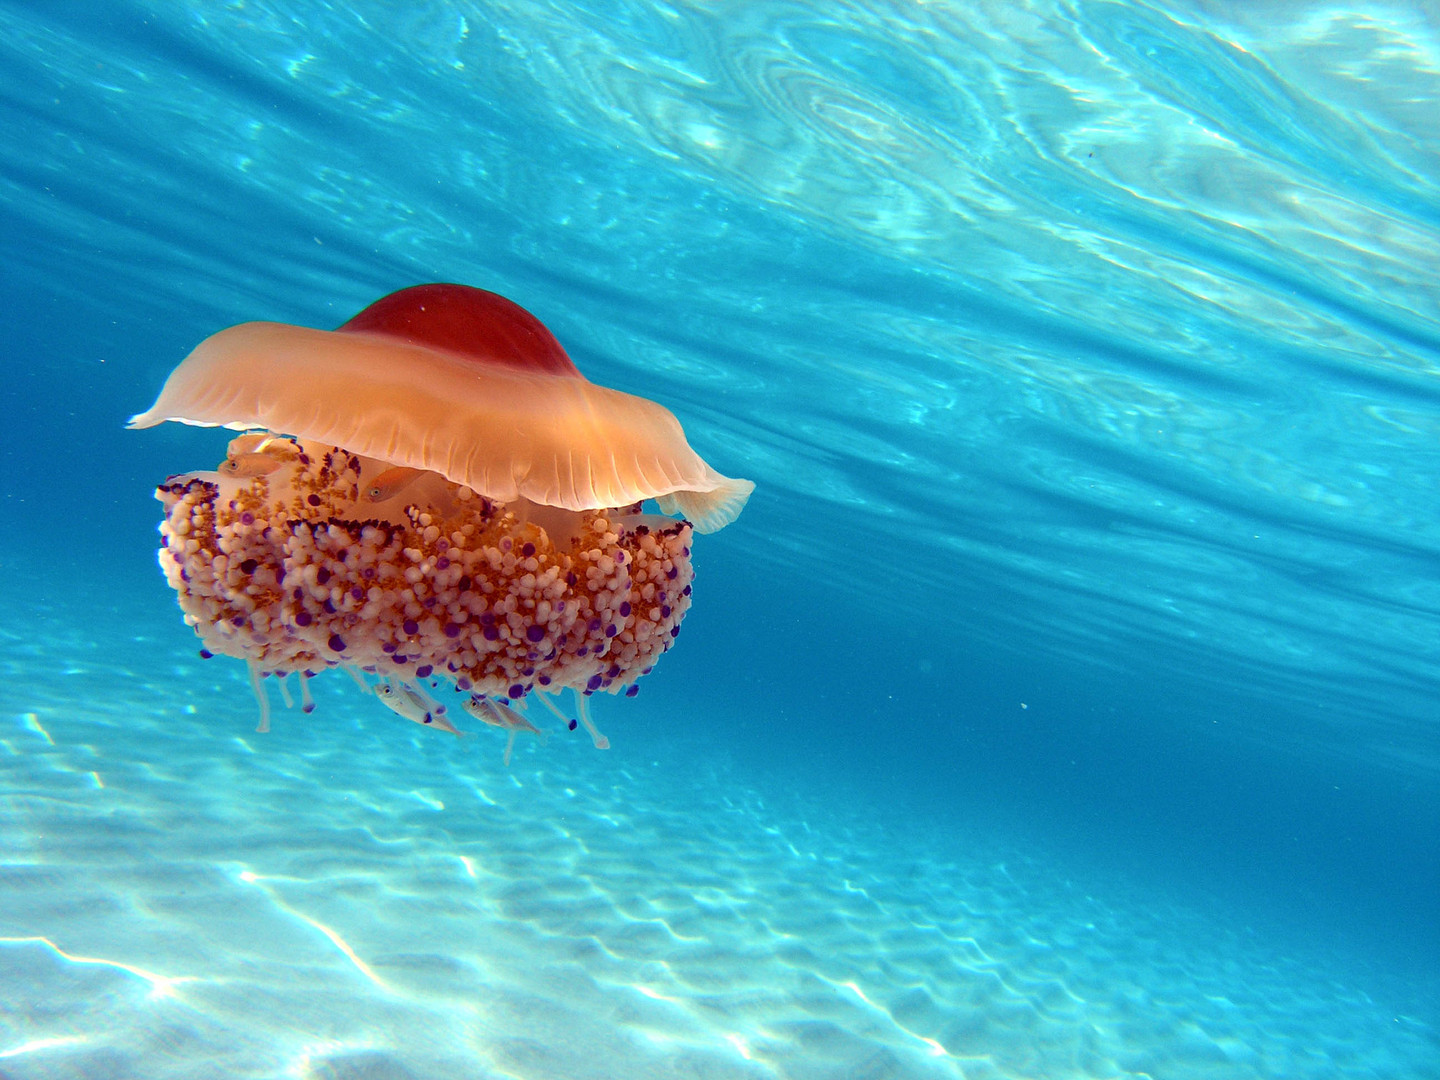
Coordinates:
[245,466]
[388,484]
[498,714]
[407,701]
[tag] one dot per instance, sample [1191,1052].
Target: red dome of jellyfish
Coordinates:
[435,497]
[467,322]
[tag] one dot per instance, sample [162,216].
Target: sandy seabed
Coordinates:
[355,897]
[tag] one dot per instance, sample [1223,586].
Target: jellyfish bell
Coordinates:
[457,381]
[432,491]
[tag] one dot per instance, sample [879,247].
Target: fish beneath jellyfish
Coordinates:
[432,493]
[411,702]
[498,714]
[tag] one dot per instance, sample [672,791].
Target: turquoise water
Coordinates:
[1064,703]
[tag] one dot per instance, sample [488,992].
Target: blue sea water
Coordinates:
[1063,704]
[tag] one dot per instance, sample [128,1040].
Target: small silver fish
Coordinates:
[407,701]
[498,714]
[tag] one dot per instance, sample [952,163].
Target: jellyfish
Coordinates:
[432,493]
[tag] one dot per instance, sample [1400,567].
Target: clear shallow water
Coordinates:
[348,898]
[1085,357]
